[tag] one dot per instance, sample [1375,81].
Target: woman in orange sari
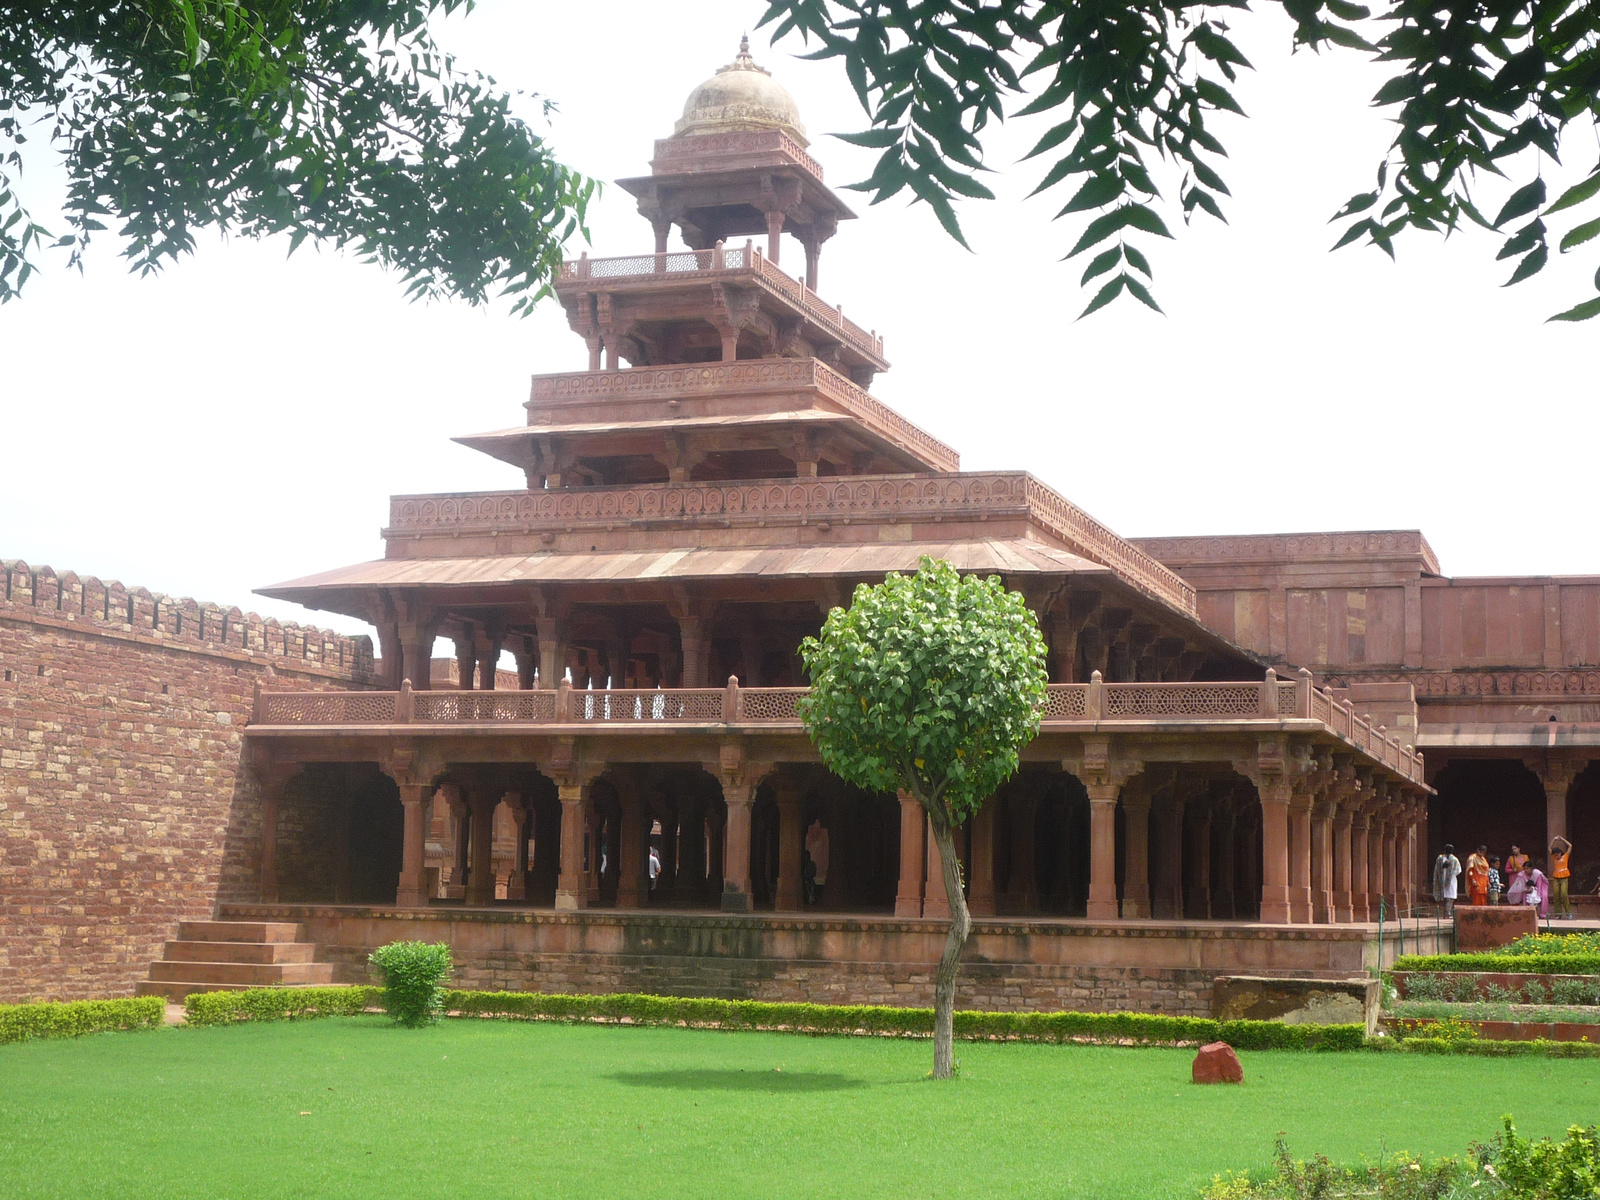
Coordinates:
[1478,876]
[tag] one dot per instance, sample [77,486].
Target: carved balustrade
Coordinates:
[688,380]
[1066,705]
[746,260]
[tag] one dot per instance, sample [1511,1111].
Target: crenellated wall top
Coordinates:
[42,595]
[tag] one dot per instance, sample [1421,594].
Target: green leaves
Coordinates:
[930,683]
[338,123]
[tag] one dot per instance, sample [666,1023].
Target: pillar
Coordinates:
[1322,811]
[1341,866]
[1102,850]
[1391,861]
[416,649]
[813,261]
[466,662]
[633,859]
[980,893]
[412,891]
[487,649]
[736,848]
[552,651]
[1136,851]
[913,857]
[935,902]
[480,872]
[791,832]
[457,815]
[1300,858]
[521,821]
[1360,824]
[774,236]
[1407,863]
[571,885]
[1377,886]
[1275,908]
[692,636]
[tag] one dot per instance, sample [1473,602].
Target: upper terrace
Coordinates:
[661,308]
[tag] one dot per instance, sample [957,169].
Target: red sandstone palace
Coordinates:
[1230,774]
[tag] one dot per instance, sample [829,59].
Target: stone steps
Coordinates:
[226,956]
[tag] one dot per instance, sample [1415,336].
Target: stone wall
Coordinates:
[124,804]
[1077,966]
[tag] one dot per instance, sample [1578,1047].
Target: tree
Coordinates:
[929,684]
[335,120]
[1477,83]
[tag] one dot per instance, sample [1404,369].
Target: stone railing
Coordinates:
[738,142]
[833,498]
[746,260]
[694,379]
[1094,703]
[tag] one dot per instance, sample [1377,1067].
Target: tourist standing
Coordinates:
[1446,873]
[1560,875]
[1516,862]
[1478,876]
[1497,881]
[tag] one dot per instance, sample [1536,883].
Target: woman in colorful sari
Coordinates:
[1478,876]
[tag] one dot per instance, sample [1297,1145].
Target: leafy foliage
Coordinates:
[1565,1170]
[278,1004]
[335,120]
[413,973]
[930,683]
[1545,944]
[1501,961]
[74,1018]
[1132,85]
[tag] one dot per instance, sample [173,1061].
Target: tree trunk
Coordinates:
[944,982]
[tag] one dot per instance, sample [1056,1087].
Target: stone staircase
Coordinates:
[226,956]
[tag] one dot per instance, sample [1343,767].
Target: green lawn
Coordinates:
[353,1107]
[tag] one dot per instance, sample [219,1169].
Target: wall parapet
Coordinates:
[41,595]
[1293,547]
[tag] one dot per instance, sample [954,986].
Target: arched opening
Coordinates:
[1583,830]
[340,835]
[1494,802]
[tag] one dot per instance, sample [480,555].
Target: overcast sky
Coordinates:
[243,418]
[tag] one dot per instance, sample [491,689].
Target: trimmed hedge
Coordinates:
[1502,964]
[279,1004]
[275,1004]
[74,1018]
[1539,1048]
[903,1022]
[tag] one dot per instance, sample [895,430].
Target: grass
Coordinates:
[352,1107]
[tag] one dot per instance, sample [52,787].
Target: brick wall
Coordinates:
[125,806]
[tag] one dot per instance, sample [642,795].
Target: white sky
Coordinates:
[242,419]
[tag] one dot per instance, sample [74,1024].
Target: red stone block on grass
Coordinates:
[1217,1063]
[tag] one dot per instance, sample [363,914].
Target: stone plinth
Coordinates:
[1296,1001]
[1490,926]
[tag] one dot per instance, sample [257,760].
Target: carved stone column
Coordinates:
[1275,792]
[552,651]
[1556,774]
[736,847]
[460,836]
[1300,856]
[1102,849]
[633,859]
[1360,826]
[521,822]
[1341,865]
[466,662]
[412,891]
[1323,809]
[1377,883]
[913,857]
[696,643]
[571,885]
[486,649]
[980,897]
[1136,848]
[480,872]
[791,835]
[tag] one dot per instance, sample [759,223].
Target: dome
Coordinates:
[741,96]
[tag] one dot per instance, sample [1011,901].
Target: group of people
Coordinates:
[1519,882]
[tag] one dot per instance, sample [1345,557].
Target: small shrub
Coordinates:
[1426,986]
[1501,995]
[1574,991]
[413,973]
[1587,963]
[1545,944]
[1565,1170]
[74,1018]
[1535,992]
[1464,988]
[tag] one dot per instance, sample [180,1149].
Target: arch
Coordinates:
[1495,802]
[339,835]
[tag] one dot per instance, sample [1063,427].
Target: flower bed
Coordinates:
[1465,985]
[1497,1031]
